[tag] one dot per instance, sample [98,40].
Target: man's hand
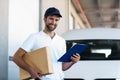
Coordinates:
[66,65]
[75,58]
[35,73]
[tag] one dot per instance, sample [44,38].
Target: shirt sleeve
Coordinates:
[28,43]
[64,47]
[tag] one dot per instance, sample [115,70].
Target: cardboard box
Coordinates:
[40,59]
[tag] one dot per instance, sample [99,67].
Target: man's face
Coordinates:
[51,22]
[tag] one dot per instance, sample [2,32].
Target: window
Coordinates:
[99,49]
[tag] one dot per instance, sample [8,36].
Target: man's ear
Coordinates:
[45,19]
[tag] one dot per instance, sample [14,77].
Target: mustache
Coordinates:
[51,24]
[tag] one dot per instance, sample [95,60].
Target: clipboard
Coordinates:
[77,48]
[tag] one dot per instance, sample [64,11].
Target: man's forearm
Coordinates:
[66,65]
[19,61]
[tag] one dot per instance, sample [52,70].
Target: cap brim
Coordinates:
[57,14]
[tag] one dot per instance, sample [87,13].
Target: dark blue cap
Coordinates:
[52,11]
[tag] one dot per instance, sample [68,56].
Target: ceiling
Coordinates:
[98,13]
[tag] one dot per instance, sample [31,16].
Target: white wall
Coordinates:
[23,20]
[3,39]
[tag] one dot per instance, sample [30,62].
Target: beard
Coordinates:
[50,28]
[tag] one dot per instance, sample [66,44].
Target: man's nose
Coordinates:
[54,21]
